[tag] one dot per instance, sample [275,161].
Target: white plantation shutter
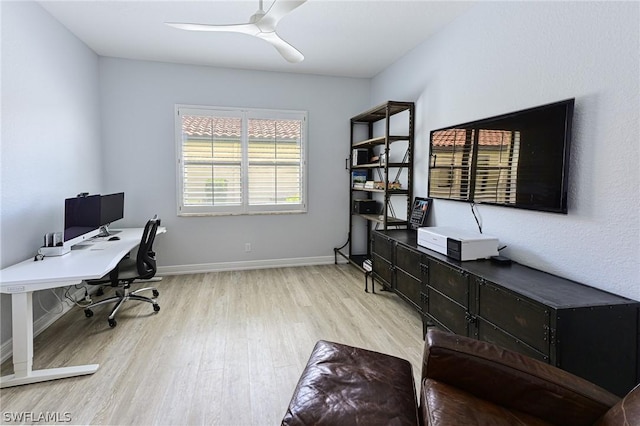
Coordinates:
[240,161]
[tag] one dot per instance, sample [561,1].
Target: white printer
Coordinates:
[457,243]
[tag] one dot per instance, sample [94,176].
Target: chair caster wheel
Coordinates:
[112,323]
[88,313]
[156,293]
[156,307]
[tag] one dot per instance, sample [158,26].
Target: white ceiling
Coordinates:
[338,37]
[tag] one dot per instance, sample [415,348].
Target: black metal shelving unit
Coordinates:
[386,174]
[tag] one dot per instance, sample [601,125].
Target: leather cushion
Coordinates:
[442,404]
[343,385]
[625,412]
[513,380]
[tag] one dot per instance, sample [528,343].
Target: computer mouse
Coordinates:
[114,238]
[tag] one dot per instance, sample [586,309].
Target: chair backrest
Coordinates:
[146,259]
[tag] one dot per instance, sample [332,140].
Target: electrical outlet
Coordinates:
[247,247]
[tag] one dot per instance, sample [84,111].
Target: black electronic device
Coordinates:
[114,238]
[111,208]
[501,260]
[81,217]
[520,159]
[365,206]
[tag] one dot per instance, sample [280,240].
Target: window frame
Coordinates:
[246,114]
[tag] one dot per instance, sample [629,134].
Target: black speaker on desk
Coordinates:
[365,206]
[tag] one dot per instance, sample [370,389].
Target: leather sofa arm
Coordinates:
[513,380]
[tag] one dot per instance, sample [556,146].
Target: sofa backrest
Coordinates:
[513,380]
[625,412]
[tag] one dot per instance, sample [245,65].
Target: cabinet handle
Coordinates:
[471,319]
[346,164]
[463,274]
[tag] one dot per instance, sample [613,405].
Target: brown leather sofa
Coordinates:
[464,382]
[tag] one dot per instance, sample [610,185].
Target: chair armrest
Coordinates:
[513,380]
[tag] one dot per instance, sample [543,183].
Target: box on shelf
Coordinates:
[365,206]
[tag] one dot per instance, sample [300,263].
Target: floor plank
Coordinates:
[226,348]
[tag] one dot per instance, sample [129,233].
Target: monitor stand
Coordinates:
[104,231]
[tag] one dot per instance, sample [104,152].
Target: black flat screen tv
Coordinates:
[520,159]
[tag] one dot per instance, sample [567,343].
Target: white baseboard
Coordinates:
[244,265]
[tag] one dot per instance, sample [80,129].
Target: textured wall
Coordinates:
[505,56]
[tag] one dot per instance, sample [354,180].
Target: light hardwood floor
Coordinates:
[226,348]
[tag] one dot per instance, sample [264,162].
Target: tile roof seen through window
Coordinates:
[451,137]
[219,127]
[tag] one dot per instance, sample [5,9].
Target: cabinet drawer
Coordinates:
[408,260]
[490,333]
[382,269]
[450,281]
[383,247]
[525,320]
[448,313]
[409,287]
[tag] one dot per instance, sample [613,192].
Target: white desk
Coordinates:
[22,279]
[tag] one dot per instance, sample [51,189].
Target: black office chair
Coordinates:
[128,270]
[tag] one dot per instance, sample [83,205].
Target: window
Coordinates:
[240,161]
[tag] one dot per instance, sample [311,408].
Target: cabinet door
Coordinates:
[408,287]
[446,312]
[488,332]
[382,270]
[450,281]
[408,260]
[408,275]
[382,246]
[519,317]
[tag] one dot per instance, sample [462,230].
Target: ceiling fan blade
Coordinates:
[250,29]
[287,51]
[278,10]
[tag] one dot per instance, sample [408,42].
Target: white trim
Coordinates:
[244,265]
[245,114]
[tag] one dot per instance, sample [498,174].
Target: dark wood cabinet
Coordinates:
[586,331]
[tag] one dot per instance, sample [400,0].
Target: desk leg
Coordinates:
[22,324]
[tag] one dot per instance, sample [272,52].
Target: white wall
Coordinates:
[505,56]
[50,146]
[138,100]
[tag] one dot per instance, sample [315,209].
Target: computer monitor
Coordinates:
[111,209]
[81,219]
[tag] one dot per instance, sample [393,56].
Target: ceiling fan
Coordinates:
[261,24]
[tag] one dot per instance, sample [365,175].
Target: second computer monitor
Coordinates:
[111,208]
